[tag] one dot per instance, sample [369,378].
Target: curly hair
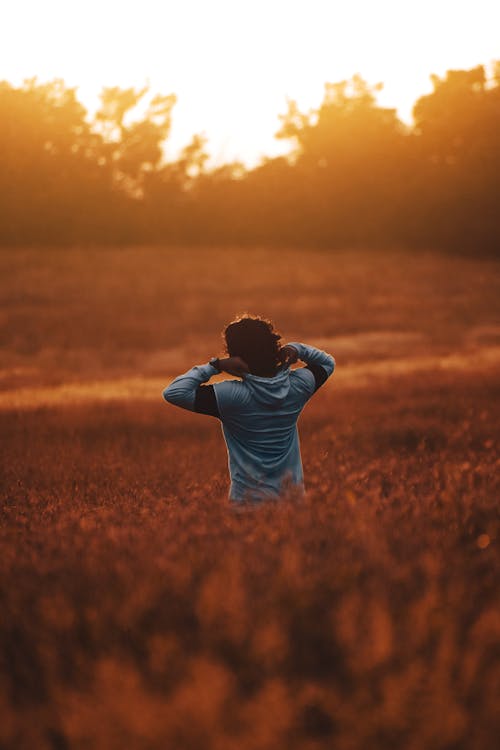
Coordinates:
[255,340]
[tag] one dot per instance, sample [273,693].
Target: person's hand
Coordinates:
[288,355]
[234,366]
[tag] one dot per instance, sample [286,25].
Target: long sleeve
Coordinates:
[318,362]
[183,390]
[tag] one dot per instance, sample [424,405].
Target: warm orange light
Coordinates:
[232,65]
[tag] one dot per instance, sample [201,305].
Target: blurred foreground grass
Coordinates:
[138,611]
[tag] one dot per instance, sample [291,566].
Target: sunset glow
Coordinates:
[233,64]
[250,355]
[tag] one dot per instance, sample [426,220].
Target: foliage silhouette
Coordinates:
[355,174]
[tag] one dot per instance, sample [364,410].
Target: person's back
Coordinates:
[259,412]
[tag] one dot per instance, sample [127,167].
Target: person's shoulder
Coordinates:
[303,379]
[233,385]
[230,393]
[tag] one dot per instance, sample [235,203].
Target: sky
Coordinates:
[234,63]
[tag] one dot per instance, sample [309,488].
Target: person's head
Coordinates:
[254,339]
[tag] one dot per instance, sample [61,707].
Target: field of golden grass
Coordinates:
[138,611]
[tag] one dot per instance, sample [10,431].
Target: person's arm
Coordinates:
[183,390]
[318,362]
[188,391]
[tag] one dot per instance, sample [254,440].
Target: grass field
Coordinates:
[138,611]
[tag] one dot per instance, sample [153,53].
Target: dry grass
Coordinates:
[83,314]
[137,611]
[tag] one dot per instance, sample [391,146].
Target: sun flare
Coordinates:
[233,64]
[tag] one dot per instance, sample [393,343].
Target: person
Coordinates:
[258,411]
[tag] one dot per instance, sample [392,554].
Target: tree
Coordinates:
[458,128]
[133,150]
[348,156]
[47,152]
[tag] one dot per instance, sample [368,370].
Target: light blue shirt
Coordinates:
[259,423]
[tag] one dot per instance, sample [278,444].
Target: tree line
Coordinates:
[355,174]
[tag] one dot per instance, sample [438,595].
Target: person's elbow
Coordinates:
[168,394]
[330,365]
[172,395]
[177,396]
